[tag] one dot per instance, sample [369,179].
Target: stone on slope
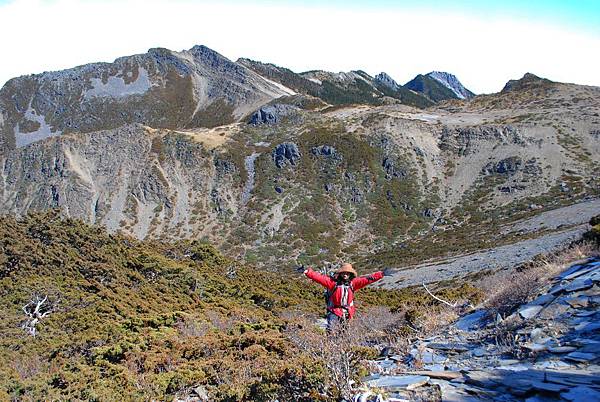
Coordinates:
[575,271]
[578,302]
[271,114]
[479,352]
[457,394]
[284,153]
[429,357]
[592,347]
[562,349]
[587,326]
[548,386]
[472,321]
[450,347]
[584,313]
[581,357]
[580,284]
[535,347]
[538,336]
[589,272]
[398,382]
[526,312]
[581,394]
[482,379]
[539,398]
[442,375]
[543,300]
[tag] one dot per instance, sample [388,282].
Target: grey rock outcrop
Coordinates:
[392,169]
[554,356]
[285,153]
[463,141]
[385,80]
[324,150]
[508,166]
[271,114]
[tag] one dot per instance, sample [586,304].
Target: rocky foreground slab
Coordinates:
[547,350]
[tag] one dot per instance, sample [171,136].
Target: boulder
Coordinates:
[324,150]
[271,114]
[472,321]
[526,312]
[285,153]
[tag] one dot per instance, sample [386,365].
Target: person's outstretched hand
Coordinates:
[387,272]
[300,269]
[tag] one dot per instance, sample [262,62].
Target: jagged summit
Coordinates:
[439,86]
[431,88]
[384,79]
[528,80]
[451,82]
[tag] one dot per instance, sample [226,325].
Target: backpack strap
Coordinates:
[329,294]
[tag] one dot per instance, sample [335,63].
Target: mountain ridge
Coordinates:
[360,176]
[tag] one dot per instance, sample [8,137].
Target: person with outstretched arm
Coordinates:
[340,290]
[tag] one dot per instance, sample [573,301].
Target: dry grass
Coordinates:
[212,138]
[344,352]
[433,321]
[508,290]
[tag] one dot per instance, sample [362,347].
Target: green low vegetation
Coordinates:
[139,320]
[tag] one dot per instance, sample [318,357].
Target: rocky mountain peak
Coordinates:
[432,88]
[201,52]
[384,79]
[450,81]
[161,88]
[527,81]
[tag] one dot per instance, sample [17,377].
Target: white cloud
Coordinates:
[43,35]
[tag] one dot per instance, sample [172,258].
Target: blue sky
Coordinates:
[578,14]
[484,43]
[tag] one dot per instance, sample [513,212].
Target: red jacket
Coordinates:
[342,297]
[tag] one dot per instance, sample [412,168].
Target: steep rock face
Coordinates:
[133,178]
[194,88]
[387,81]
[451,82]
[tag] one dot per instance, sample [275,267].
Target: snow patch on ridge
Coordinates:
[23,139]
[116,87]
[285,89]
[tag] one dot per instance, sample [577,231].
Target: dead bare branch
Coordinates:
[438,299]
[35,310]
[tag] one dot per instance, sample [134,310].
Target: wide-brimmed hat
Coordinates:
[348,269]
